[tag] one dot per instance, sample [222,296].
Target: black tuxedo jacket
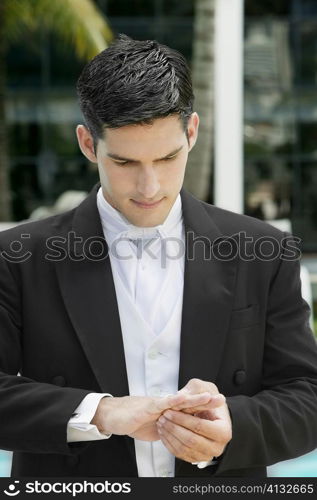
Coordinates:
[244,327]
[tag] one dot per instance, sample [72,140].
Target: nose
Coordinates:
[148,184]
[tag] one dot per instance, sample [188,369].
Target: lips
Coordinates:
[147,205]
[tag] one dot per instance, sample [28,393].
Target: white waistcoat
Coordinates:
[152,363]
[150,300]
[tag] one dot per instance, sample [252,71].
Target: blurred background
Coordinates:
[254,66]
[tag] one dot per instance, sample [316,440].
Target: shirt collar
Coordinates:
[116,225]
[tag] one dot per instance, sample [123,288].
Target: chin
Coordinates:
[147,221]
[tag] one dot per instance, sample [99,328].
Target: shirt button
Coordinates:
[152,354]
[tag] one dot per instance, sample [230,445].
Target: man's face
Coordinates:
[142,167]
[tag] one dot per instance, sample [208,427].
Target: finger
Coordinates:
[177,448]
[180,440]
[192,401]
[161,404]
[217,431]
[179,401]
[195,385]
[168,444]
[216,401]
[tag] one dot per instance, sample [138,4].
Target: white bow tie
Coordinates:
[148,233]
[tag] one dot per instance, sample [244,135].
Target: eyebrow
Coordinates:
[114,156]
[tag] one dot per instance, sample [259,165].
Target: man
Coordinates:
[111,308]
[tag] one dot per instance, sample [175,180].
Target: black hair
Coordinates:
[134,81]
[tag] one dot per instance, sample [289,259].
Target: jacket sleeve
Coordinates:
[280,421]
[33,415]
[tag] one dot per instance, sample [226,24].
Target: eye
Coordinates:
[170,158]
[121,163]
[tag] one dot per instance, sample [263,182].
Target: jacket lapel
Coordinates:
[209,284]
[89,295]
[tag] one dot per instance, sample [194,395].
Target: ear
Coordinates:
[86,143]
[192,129]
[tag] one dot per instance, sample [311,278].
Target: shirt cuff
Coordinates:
[202,465]
[79,427]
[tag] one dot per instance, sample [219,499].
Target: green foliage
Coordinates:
[77,22]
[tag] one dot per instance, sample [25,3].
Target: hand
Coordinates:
[198,433]
[136,416]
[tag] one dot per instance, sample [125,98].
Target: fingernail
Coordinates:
[161,420]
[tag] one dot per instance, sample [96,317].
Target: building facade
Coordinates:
[280,107]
